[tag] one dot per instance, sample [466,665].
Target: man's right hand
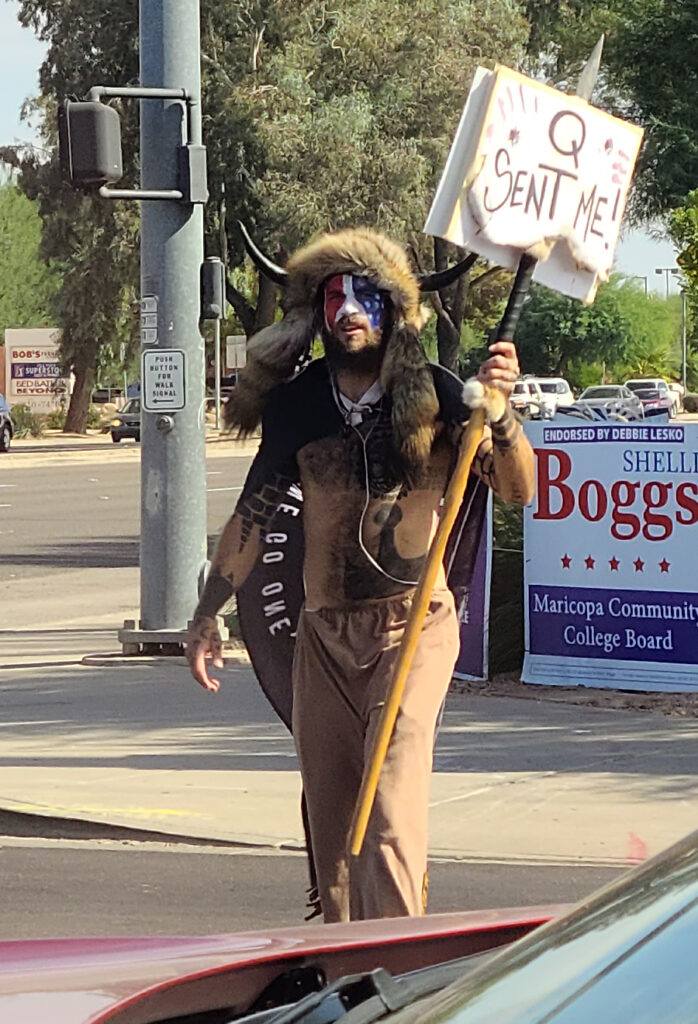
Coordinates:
[204,641]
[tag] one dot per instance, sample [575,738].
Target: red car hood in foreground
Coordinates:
[133,981]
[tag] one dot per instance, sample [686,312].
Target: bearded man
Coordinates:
[370,433]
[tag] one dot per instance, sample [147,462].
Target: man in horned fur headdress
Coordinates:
[369,432]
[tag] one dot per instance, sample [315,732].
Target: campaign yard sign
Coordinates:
[534,170]
[610,540]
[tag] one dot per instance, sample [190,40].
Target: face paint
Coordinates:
[350,295]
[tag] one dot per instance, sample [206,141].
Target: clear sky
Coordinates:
[22,53]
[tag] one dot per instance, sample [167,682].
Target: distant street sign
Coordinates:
[149,320]
[162,379]
[235,352]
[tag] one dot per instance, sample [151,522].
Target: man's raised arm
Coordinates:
[504,459]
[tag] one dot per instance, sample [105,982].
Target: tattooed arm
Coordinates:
[234,558]
[504,459]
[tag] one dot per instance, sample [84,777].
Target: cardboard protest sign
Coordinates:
[537,171]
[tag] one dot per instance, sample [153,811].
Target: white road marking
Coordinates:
[209,490]
[103,498]
[209,472]
[5,506]
[8,485]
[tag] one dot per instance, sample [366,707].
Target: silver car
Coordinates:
[613,401]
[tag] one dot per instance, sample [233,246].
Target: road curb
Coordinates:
[236,656]
[50,823]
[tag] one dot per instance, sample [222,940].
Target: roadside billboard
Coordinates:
[32,369]
[610,540]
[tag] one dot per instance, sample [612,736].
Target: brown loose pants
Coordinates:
[342,668]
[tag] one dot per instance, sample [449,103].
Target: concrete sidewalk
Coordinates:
[141,746]
[30,451]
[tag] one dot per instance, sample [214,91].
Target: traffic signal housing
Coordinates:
[89,136]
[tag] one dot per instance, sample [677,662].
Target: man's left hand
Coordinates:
[502,368]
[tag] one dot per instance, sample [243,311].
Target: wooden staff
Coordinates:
[472,435]
[470,441]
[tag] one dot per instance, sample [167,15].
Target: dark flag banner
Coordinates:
[270,600]
[468,567]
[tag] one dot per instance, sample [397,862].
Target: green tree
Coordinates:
[27,285]
[649,75]
[555,332]
[344,115]
[314,118]
[89,242]
[683,228]
[631,333]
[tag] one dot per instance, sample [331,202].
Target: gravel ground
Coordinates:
[680,705]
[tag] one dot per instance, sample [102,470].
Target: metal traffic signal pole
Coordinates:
[173,468]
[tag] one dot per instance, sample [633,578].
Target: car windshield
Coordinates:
[601,393]
[133,405]
[648,393]
[520,388]
[550,389]
[640,385]
[597,961]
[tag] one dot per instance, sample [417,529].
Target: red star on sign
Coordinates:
[589,562]
[639,565]
[614,563]
[664,565]
[566,561]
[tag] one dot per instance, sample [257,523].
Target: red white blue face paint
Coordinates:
[349,295]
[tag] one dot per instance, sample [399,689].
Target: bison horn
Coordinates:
[427,282]
[442,278]
[270,269]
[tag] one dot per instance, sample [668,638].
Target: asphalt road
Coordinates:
[53,889]
[85,513]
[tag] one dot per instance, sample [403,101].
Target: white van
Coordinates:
[556,392]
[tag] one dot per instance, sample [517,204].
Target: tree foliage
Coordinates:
[27,285]
[315,116]
[649,75]
[90,243]
[633,334]
[334,116]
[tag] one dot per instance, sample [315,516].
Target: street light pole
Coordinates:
[666,271]
[683,339]
[640,277]
[173,454]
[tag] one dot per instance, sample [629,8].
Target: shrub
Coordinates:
[506,595]
[26,422]
[94,417]
[55,420]
[690,403]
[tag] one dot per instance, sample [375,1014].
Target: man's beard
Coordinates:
[367,359]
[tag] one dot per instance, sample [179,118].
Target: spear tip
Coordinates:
[587,79]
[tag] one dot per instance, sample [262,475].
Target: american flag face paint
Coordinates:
[351,295]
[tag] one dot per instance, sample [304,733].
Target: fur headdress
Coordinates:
[274,354]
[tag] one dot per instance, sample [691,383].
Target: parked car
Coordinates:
[127,422]
[527,398]
[556,393]
[7,430]
[655,396]
[100,396]
[625,954]
[678,392]
[615,401]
